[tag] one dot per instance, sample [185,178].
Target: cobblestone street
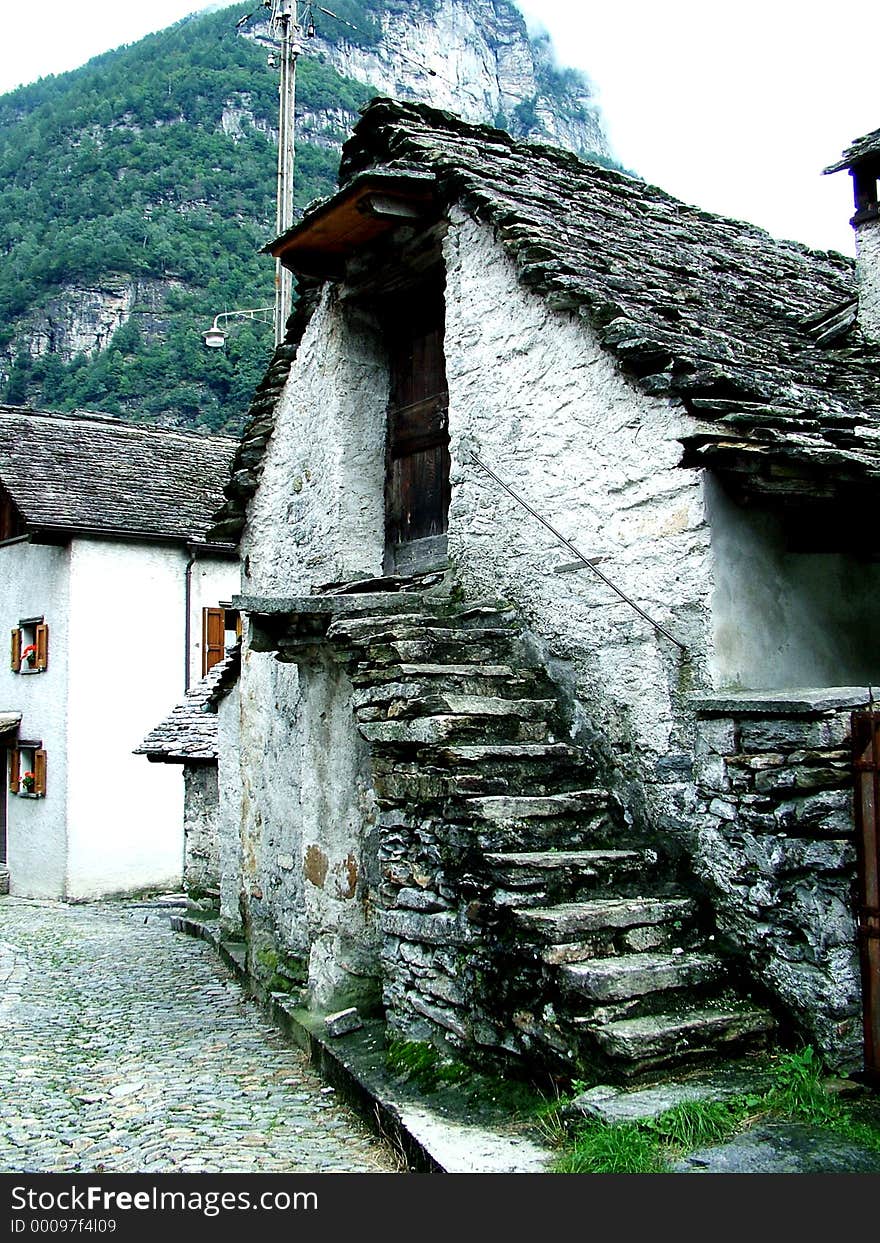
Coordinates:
[125,1047]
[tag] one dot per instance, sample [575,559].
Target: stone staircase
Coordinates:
[521,912]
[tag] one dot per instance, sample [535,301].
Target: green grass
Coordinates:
[796,1093]
[624,1148]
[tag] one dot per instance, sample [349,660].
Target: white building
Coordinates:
[114,604]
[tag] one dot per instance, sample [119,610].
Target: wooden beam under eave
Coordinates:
[352,219]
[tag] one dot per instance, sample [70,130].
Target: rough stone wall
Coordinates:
[868,260]
[533,394]
[319,513]
[201,808]
[229,821]
[775,831]
[308,852]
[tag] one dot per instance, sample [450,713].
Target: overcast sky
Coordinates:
[735,106]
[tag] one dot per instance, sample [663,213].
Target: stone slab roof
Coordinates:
[190,731]
[755,336]
[865,148]
[92,473]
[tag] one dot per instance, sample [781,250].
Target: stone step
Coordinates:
[522,867]
[435,730]
[705,1030]
[537,878]
[640,939]
[506,807]
[424,648]
[403,705]
[378,679]
[635,975]
[570,920]
[501,756]
[363,630]
[378,683]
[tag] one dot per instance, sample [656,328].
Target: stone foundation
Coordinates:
[776,844]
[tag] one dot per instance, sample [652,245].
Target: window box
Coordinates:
[30,646]
[27,770]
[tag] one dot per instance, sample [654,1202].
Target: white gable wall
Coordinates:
[125,816]
[318,515]
[534,395]
[784,619]
[34,582]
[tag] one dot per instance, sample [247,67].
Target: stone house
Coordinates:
[107,586]
[581,794]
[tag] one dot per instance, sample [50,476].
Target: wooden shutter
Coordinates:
[14,781]
[213,638]
[40,771]
[15,655]
[42,638]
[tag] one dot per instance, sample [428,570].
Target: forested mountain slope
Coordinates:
[135,192]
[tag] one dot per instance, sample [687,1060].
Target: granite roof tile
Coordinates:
[714,311]
[95,473]
[864,148]
[190,731]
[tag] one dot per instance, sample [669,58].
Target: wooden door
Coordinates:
[417,492]
[213,638]
[866,748]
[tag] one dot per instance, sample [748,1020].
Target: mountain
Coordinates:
[135,192]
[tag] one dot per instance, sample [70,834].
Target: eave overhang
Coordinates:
[370,206]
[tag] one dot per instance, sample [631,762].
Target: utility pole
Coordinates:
[286,30]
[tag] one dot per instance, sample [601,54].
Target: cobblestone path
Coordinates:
[125,1047]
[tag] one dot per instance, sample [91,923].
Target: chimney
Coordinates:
[862,160]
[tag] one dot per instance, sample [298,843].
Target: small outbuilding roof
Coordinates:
[190,731]
[89,473]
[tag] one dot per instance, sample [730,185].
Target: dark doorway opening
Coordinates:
[417,480]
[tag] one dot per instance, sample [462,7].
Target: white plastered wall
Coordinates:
[34,582]
[318,515]
[784,619]
[536,397]
[868,268]
[125,816]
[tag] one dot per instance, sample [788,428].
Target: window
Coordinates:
[27,770]
[30,646]
[221,626]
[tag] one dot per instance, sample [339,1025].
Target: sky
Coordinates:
[736,107]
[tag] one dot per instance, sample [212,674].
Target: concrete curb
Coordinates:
[449,1135]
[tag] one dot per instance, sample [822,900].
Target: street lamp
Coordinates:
[215,337]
